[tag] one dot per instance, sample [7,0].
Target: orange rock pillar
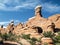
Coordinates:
[38,11]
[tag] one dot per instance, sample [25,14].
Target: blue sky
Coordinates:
[22,10]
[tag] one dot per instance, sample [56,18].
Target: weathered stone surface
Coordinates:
[24,42]
[19,26]
[56,20]
[49,41]
[10,43]
[10,27]
[2,30]
[39,21]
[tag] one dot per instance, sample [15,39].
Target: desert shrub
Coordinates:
[57,44]
[48,34]
[8,37]
[45,43]
[5,36]
[25,36]
[56,39]
[33,39]
[58,33]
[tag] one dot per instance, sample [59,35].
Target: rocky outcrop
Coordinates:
[36,24]
[39,21]
[10,27]
[56,20]
[2,30]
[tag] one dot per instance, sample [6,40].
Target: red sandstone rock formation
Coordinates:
[39,21]
[56,20]
[34,25]
[10,27]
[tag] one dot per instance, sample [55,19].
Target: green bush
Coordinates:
[45,43]
[58,33]
[57,44]
[48,34]
[34,40]
[56,39]
[8,37]
[25,36]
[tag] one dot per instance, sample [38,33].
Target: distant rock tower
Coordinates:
[38,11]
[1,26]
[12,23]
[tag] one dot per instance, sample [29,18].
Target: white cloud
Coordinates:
[13,5]
[51,7]
[7,22]
[3,23]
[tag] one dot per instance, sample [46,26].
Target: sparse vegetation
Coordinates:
[13,37]
[56,39]
[25,36]
[32,41]
[45,43]
[8,37]
[48,34]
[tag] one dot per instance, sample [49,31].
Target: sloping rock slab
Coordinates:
[10,43]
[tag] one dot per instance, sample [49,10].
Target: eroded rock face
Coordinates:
[2,30]
[49,41]
[24,42]
[19,26]
[56,20]
[10,27]
[36,24]
[42,23]
[39,21]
